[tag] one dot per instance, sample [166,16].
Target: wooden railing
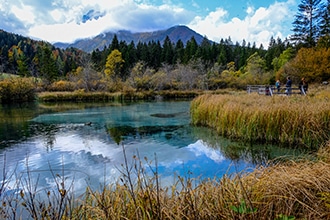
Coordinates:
[272,90]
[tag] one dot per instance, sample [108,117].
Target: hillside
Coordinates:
[24,56]
[99,42]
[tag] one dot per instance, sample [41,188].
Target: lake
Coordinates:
[85,144]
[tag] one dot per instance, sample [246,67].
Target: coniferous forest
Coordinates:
[155,66]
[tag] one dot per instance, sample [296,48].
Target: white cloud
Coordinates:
[68,20]
[24,13]
[84,18]
[258,25]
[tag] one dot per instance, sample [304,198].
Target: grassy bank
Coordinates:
[117,96]
[293,120]
[291,190]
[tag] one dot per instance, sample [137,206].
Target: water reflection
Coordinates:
[85,144]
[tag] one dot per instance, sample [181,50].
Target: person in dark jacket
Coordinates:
[288,85]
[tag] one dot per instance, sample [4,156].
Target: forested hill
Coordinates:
[24,56]
[175,33]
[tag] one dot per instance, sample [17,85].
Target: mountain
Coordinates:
[99,42]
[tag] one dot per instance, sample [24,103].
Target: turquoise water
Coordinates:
[86,145]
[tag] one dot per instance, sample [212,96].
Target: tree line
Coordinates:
[175,65]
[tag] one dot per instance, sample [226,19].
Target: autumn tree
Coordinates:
[141,76]
[312,64]
[114,65]
[86,77]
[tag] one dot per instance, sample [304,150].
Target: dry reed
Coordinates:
[290,190]
[294,190]
[295,120]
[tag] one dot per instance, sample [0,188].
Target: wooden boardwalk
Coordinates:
[272,90]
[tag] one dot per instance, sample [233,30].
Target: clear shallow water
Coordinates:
[85,145]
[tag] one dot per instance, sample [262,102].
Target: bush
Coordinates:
[17,90]
[63,86]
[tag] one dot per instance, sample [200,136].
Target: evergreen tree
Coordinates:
[96,58]
[190,51]
[47,65]
[179,51]
[325,20]
[222,57]
[155,50]
[229,49]
[214,52]
[167,52]
[129,55]
[241,54]
[114,44]
[22,65]
[143,52]
[275,49]
[306,23]
[204,50]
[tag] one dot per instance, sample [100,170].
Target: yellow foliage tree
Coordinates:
[114,64]
[312,64]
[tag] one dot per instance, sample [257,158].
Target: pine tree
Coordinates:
[48,66]
[204,50]
[114,43]
[167,52]
[190,51]
[179,51]
[23,69]
[222,57]
[155,50]
[325,20]
[306,24]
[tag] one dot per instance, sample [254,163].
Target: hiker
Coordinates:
[288,85]
[278,85]
[303,86]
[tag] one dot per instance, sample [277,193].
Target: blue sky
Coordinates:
[67,20]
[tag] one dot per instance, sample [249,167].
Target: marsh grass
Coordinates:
[290,190]
[81,95]
[293,120]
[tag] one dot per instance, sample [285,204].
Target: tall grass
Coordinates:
[81,95]
[290,190]
[294,190]
[294,120]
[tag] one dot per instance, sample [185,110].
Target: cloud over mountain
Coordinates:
[66,21]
